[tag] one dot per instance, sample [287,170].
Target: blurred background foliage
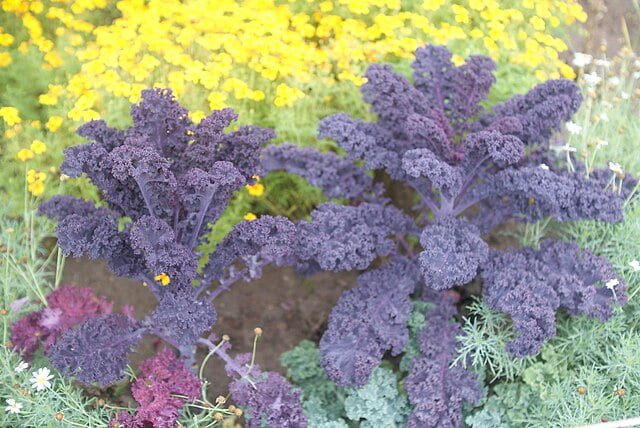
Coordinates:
[279,64]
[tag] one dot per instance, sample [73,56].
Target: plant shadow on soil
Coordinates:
[288,308]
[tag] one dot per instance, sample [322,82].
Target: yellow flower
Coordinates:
[537,23]
[432,4]
[10,115]
[53,59]
[35,182]
[5,59]
[217,100]
[38,147]
[54,123]
[197,116]
[286,96]
[33,176]
[163,279]
[256,189]
[48,99]
[326,6]
[6,39]
[36,188]
[250,216]
[24,155]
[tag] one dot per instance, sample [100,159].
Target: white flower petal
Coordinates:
[573,128]
[22,366]
[612,283]
[592,79]
[13,406]
[581,60]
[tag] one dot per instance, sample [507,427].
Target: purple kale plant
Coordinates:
[66,307]
[164,181]
[436,390]
[471,169]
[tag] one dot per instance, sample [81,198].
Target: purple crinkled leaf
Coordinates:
[180,318]
[158,389]
[266,238]
[367,321]
[67,307]
[453,252]
[531,285]
[436,390]
[156,242]
[341,237]
[271,401]
[541,111]
[336,176]
[96,350]
[457,91]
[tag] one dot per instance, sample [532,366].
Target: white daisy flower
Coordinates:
[544,166]
[573,128]
[604,117]
[614,81]
[615,168]
[611,285]
[581,60]
[636,74]
[568,148]
[603,63]
[592,79]
[625,95]
[40,379]
[635,265]
[602,143]
[13,406]
[22,366]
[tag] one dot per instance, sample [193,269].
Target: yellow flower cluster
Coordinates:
[35,182]
[35,16]
[10,115]
[227,51]
[278,62]
[37,148]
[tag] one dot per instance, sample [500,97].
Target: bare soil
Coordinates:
[606,26]
[288,308]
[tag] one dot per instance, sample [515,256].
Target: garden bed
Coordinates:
[419,247]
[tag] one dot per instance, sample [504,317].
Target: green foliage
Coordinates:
[304,370]
[379,403]
[318,417]
[609,113]
[417,321]
[589,371]
[27,269]
[485,334]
